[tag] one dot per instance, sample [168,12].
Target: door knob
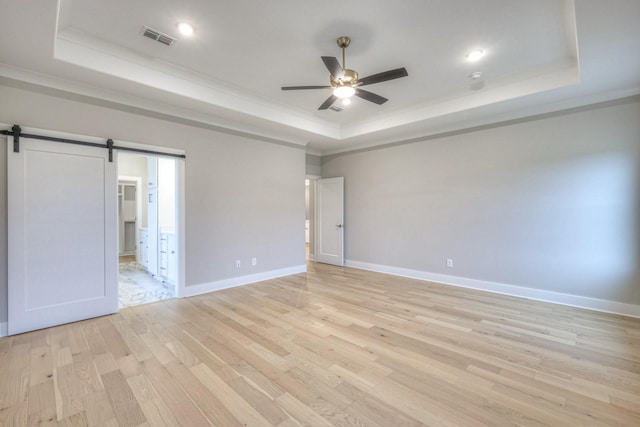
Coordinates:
[339,225]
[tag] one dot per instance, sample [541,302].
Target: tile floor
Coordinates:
[137,286]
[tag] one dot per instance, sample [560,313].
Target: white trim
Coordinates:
[85,90]
[232,282]
[75,49]
[3,329]
[87,52]
[181,216]
[505,289]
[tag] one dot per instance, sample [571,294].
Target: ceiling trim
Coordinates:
[536,83]
[78,50]
[139,105]
[566,106]
[633,97]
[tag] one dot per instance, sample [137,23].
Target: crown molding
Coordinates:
[565,106]
[84,52]
[44,83]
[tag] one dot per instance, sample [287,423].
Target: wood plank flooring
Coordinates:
[335,346]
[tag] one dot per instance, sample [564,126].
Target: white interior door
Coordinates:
[330,219]
[62,221]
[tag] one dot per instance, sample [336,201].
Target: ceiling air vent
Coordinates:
[158,36]
[336,108]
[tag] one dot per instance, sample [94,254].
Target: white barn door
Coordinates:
[330,219]
[62,217]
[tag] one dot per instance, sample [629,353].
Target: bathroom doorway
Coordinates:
[147,241]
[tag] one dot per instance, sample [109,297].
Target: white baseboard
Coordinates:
[232,282]
[501,288]
[3,329]
[312,257]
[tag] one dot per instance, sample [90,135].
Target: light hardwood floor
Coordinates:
[331,347]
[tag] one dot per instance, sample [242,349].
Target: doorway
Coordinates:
[307,219]
[62,217]
[310,216]
[148,247]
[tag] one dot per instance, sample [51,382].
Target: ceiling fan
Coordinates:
[345,82]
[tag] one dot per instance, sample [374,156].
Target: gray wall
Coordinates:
[313,164]
[244,197]
[551,203]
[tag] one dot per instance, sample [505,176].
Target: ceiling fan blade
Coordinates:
[328,103]
[369,96]
[384,76]
[304,87]
[333,66]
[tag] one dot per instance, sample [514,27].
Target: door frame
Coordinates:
[313,232]
[180,201]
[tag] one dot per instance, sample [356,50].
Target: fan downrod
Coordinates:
[350,77]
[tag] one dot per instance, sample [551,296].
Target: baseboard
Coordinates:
[501,288]
[4,331]
[232,282]
[312,257]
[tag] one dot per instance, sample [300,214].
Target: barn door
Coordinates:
[62,217]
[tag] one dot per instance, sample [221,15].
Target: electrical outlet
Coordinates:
[449,263]
[238,264]
[254,261]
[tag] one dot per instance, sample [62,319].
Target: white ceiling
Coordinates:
[540,56]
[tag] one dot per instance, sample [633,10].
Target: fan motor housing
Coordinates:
[349,78]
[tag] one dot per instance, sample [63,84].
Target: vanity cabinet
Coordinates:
[168,257]
[143,247]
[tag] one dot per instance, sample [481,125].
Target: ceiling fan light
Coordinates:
[344,92]
[346,101]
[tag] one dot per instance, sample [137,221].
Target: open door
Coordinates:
[330,220]
[62,215]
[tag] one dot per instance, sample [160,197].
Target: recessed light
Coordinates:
[475,75]
[474,55]
[185,29]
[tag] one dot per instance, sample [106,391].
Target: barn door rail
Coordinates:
[16,132]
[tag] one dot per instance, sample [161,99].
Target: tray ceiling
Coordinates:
[229,73]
